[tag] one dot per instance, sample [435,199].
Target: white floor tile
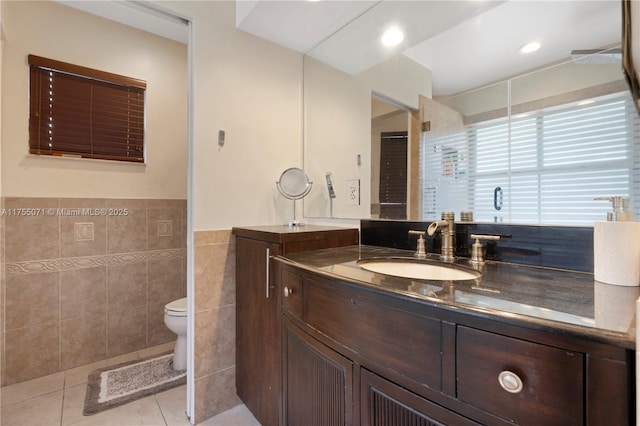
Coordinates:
[143,412]
[236,416]
[58,400]
[173,404]
[73,404]
[40,411]
[32,388]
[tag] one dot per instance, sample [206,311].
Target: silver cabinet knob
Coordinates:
[288,291]
[510,381]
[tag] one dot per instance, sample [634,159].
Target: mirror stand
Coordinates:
[294,184]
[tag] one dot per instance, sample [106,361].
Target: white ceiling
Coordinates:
[465,44]
[144,15]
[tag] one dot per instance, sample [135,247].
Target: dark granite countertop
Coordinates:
[567,301]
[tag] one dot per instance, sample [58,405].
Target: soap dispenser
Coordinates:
[616,245]
[620,209]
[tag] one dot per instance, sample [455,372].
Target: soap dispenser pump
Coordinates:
[616,246]
[620,209]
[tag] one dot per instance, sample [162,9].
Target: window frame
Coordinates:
[112,120]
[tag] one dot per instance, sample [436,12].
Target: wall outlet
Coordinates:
[353,192]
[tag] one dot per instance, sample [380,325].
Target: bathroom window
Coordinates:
[544,167]
[83,112]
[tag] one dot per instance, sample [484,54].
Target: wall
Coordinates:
[215,310]
[49,29]
[82,287]
[441,118]
[252,89]
[557,83]
[400,79]
[2,269]
[337,130]
[338,126]
[87,279]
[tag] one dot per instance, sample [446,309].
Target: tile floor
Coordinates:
[58,399]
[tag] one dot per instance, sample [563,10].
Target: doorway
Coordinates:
[393,175]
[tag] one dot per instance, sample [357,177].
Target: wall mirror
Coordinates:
[468,81]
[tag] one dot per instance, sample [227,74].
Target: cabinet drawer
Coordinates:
[365,322]
[552,380]
[292,293]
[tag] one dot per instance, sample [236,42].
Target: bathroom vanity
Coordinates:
[520,345]
[258,319]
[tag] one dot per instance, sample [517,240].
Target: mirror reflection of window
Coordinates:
[550,157]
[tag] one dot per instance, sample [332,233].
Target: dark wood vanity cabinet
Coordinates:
[258,318]
[360,356]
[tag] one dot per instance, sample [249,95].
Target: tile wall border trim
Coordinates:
[71,263]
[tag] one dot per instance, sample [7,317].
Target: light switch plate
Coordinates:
[353,192]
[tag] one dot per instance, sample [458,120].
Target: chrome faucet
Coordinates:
[447,228]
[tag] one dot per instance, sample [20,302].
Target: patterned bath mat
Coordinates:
[123,383]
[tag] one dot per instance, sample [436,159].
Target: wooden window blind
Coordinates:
[83,112]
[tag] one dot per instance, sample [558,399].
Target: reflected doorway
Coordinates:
[393,175]
[389,159]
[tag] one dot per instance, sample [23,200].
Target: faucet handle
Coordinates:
[447,215]
[477,256]
[421,250]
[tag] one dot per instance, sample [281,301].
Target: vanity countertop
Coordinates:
[284,233]
[566,301]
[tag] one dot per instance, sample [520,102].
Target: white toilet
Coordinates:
[175,318]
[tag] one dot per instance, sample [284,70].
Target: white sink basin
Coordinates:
[416,269]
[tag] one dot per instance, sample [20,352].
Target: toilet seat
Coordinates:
[177,308]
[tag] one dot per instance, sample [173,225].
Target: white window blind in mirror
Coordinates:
[542,167]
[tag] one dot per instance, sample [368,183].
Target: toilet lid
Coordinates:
[177,307]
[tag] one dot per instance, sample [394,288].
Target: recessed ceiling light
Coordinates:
[530,47]
[392,37]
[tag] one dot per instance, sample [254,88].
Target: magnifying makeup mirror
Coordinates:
[294,184]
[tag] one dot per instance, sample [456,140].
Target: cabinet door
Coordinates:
[318,382]
[386,404]
[257,331]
